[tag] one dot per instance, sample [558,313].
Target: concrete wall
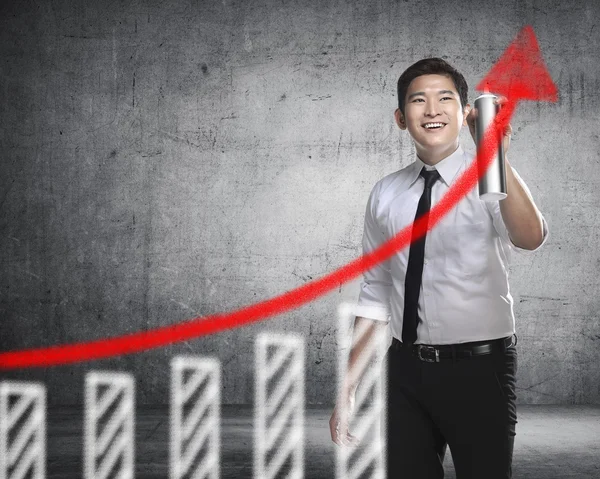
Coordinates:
[166,160]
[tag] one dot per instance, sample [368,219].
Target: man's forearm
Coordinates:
[365,338]
[521,216]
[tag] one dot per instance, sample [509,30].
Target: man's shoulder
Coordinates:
[393,182]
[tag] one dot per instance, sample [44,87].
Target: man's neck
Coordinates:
[432,158]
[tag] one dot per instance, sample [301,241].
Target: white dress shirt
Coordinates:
[464,293]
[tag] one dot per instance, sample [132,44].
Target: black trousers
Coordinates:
[467,404]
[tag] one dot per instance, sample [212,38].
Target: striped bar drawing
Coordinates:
[279,407]
[195,417]
[109,425]
[367,460]
[22,430]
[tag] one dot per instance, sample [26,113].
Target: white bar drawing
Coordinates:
[366,422]
[22,418]
[195,417]
[109,425]
[279,406]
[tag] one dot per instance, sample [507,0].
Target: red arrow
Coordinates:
[519,75]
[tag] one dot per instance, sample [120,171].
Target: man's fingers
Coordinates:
[353,440]
[349,440]
[338,425]
[339,432]
[337,428]
[341,436]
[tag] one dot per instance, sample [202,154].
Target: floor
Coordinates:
[552,442]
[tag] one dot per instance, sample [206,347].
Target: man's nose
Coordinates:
[432,109]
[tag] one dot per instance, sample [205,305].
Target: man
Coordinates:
[452,362]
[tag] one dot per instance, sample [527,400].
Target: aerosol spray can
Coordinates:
[492,185]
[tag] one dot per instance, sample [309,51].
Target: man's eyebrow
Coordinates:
[441,92]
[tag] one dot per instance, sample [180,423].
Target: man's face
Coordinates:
[433,116]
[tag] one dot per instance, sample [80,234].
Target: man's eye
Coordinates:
[447,98]
[417,99]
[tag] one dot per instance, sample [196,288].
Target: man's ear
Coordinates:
[400,119]
[466,112]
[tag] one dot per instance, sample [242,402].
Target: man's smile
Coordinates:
[433,126]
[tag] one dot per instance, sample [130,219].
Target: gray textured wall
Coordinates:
[165,160]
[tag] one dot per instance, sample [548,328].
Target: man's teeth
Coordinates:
[433,125]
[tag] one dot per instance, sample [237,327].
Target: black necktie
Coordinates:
[414,271]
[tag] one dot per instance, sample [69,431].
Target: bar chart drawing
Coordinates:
[22,430]
[365,422]
[109,425]
[279,406]
[195,417]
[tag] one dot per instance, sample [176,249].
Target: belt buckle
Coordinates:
[429,348]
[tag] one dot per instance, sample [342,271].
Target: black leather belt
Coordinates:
[437,353]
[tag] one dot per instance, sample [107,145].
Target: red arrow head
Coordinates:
[520,73]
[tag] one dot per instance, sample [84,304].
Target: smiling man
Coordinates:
[453,360]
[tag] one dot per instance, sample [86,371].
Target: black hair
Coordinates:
[431,66]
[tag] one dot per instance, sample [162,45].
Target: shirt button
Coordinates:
[425,261]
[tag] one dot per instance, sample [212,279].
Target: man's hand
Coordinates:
[340,418]
[507,131]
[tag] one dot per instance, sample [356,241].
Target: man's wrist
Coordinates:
[348,391]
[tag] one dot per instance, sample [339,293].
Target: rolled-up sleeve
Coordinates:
[376,285]
[500,226]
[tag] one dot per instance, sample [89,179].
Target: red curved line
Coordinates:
[194,328]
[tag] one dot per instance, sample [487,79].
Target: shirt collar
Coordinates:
[447,168]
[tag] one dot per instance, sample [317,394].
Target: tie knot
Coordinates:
[431,176]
